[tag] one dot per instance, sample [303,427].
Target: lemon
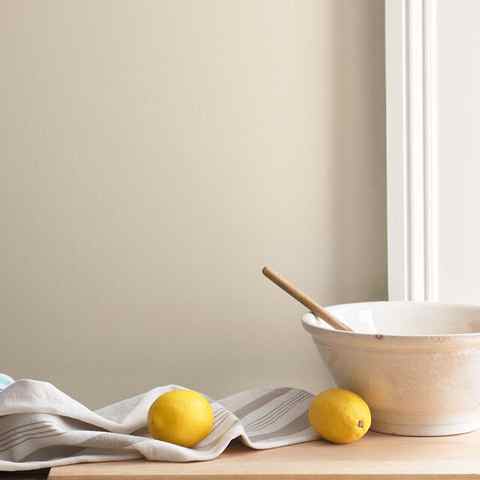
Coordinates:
[183,417]
[339,416]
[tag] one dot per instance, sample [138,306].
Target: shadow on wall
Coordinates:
[358,126]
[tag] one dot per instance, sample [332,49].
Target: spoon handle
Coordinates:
[304,299]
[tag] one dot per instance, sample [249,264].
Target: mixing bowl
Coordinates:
[416,364]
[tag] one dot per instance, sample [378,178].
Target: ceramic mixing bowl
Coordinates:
[416,364]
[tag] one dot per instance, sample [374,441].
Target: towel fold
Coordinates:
[40,426]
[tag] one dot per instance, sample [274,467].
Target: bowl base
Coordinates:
[423,430]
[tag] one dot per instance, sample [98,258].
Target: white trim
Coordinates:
[411,149]
[430,149]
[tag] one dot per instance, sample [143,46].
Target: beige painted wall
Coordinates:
[154,155]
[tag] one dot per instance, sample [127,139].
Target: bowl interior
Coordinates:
[409,318]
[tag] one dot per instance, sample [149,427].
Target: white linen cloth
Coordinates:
[40,426]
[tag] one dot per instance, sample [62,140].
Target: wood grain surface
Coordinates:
[375,457]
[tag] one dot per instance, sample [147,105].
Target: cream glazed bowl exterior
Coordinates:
[416,364]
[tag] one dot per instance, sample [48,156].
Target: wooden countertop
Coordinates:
[376,456]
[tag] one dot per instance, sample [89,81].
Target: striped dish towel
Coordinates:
[40,426]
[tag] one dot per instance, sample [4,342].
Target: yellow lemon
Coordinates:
[183,417]
[339,416]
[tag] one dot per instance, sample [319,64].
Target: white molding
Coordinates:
[411,149]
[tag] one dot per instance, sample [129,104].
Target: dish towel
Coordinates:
[40,426]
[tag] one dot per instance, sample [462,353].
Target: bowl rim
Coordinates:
[312,328]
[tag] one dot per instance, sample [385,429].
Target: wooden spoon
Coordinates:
[304,299]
